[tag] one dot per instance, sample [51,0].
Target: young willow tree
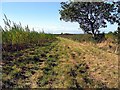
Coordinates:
[90,15]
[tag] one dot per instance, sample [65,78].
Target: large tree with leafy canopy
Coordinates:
[90,15]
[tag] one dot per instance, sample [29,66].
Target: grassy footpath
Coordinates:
[103,65]
[61,64]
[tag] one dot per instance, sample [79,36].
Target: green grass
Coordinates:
[39,60]
[88,37]
[15,37]
[19,68]
[79,37]
[54,65]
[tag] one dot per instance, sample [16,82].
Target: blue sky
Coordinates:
[41,16]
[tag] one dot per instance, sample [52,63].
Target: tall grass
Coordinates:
[15,35]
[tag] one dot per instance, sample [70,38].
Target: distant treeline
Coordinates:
[88,37]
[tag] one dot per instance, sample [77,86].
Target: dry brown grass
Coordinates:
[109,45]
[103,65]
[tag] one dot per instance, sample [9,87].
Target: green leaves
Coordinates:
[90,15]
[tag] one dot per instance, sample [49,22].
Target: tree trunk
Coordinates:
[93,34]
[93,31]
